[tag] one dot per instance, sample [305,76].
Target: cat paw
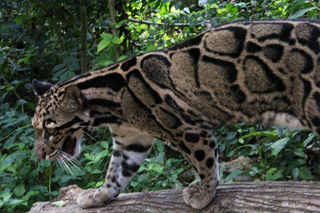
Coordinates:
[198,197]
[92,197]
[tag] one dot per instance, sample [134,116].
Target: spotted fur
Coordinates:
[264,72]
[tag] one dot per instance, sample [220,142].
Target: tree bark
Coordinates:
[113,21]
[83,38]
[230,197]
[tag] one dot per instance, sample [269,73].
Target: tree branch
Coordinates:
[156,23]
[230,197]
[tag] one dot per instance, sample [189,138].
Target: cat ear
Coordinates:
[41,87]
[73,99]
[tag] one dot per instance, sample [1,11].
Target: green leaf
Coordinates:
[241,140]
[15,201]
[106,36]
[295,173]
[305,173]
[19,190]
[105,144]
[103,44]
[116,40]
[121,23]
[299,152]
[18,19]
[269,173]
[301,12]
[276,176]
[122,57]
[96,171]
[308,140]
[233,174]
[279,145]
[151,47]
[100,183]
[60,203]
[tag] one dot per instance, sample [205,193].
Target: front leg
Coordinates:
[130,150]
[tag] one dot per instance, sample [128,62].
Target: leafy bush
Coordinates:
[47,47]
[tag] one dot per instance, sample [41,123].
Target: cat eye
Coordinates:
[50,130]
[48,133]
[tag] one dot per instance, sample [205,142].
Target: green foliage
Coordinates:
[281,152]
[41,39]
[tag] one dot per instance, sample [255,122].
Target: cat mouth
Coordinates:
[69,146]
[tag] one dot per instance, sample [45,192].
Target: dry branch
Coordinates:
[231,197]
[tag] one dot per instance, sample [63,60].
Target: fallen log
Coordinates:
[230,197]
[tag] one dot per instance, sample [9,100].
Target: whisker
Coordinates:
[74,166]
[93,127]
[90,136]
[70,157]
[66,166]
[71,161]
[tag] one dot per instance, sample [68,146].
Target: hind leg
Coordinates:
[201,151]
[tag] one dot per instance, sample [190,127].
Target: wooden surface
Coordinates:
[231,197]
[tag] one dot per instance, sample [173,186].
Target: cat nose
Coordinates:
[40,151]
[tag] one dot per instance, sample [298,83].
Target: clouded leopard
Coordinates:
[265,72]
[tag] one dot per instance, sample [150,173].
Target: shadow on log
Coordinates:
[230,197]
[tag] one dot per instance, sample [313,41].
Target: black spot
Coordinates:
[312,40]
[108,185]
[126,173]
[125,157]
[212,144]
[199,154]
[113,179]
[239,96]
[205,142]
[103,102]
[207,95]
[106,120]
[230,73]
[113,81]
[137,147]
[195,54]
[192,137]
[216,152]
[184,148]
[273,52]
[152,93]
[116,153]
[171,120]
[172,103]
[252,47]
[109,177]
[118,184]
[69,124]
[284,35]
[316,97]
[316,121]
[210,162]
[308,61]
[129,63]
[188,120]
[202,176]
[203,134]
[61,94]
